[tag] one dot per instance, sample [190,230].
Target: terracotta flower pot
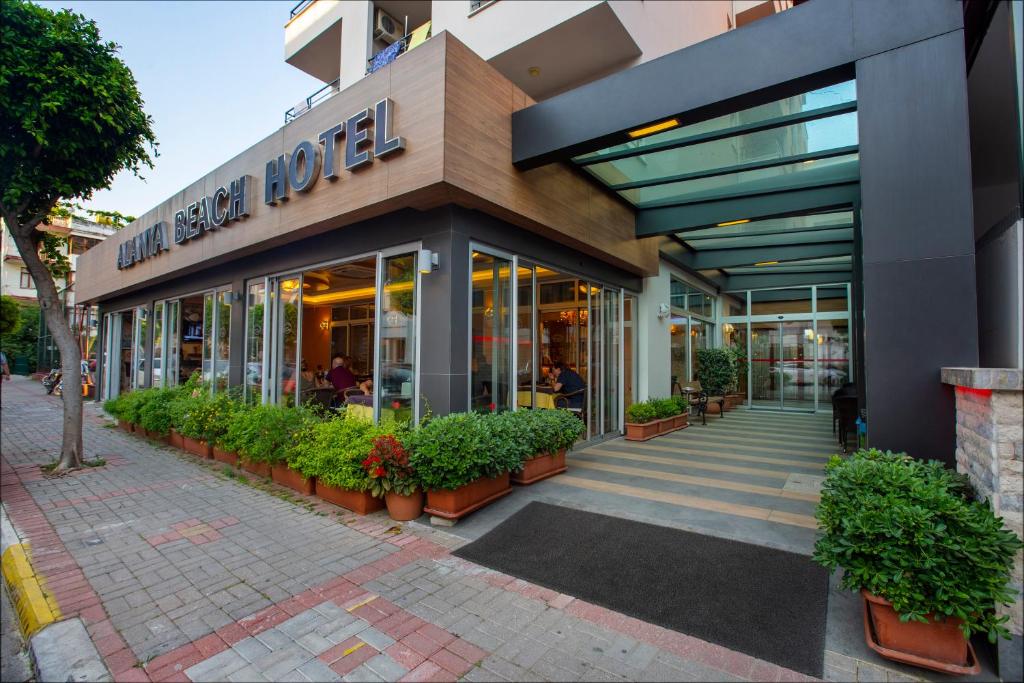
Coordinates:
[260,469]
[225,456]
[734,400]
[666,425]
[462,501]
[404,508]
[198,447]
[713,408]
[125,426]
[359,502]
[176,439]
[642,431]
[681,421]
[937,645]
[540,467]
[286,476]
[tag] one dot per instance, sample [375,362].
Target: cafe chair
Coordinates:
[562,401]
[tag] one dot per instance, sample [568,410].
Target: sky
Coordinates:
[212,76]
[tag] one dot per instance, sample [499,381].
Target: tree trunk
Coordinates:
[70,355]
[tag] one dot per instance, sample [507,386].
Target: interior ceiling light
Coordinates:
[653,128]
[767,263]
[728,223]
[534,71]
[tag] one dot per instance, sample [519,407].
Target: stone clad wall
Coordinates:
[989,449]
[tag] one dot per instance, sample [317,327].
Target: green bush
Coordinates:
[907,531]
[156,415]
[682,404]
[205,417]
[641,413]
[132,404]
[114,407]
[550,431]
[716,370]
[265,433]
[738,356]
[508,438]
[454,450]
[664,407]
[333,451]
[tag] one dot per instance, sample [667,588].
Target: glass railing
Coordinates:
[299,8]
[311,101]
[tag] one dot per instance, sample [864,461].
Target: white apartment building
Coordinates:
[15,280]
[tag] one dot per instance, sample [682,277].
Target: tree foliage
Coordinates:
[70,111]
[10,315]
[21,341]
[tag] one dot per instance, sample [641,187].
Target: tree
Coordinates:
[10,316]
[71,118]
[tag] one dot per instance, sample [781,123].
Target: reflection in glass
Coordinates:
[679,352]
[776,301]
[833,357]
[139,347]
[288,338]
[222,354]
[612,343]
[255,301]
[524,336]
[208,338]
[192,336]
[173,343]
[396,384]
[158,344]
[491,333]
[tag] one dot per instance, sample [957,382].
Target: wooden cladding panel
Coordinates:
[552,200]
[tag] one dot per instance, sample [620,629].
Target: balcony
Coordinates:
[319,96]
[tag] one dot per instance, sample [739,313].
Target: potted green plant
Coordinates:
[223,410]
[665,410]
[739,361]
[131,405]
[115,408]
[460,463]
[682,418]
[641,422]
[195,406]
[546,436]
[154,417]
[930,562]
[393,478]
[333,451]
[716,372]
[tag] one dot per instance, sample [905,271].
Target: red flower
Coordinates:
[493,407]
[380,472]
[396,405]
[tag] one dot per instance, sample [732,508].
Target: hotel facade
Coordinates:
[483,190]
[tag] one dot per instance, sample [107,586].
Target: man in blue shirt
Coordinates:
[567,381]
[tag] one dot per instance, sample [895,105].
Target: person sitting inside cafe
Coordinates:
[567,382]
[340,376]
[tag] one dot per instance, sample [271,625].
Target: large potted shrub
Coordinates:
[393,478]
[681,420]
[223,410]
[460,463]
[665,410]
[115,408]
[333,451]
[641,422]
[155,413]
[739,362]
[716,372]
[195,406]
[131,405]
[930,562]
[547,435]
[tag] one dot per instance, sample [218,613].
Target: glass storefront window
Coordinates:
[173,326]
[491,333]
[222,345]
[255,303]
[139,347]
[208,338]
[524,336]
[287,343]
[158,343]
[775,301]
[396,383]
[679,352]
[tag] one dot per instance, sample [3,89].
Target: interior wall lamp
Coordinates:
[428,261]
[325,324]
[663,311]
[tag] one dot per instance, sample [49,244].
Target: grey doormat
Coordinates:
[768,603]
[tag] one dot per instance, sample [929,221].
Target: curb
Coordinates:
[61,650]
[35,610]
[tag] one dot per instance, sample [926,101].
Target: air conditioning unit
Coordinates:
[386,27]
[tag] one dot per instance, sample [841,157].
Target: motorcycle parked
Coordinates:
[51,380]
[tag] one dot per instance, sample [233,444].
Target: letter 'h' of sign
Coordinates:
[299,170]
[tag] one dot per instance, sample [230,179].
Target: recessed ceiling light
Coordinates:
[766,263]
[534,71]
[653,128]
[728,223]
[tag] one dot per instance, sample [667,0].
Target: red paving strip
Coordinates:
[64,579]
[679,644]
[122,492]
[194,530]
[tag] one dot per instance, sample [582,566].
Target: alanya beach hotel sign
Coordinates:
[298,171]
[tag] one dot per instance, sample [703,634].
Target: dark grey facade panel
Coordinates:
[915,152]
[792,52]
[919,318]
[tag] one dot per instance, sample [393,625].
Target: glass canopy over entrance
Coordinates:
[757,201]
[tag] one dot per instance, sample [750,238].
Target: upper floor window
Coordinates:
[26,280]
[476,5]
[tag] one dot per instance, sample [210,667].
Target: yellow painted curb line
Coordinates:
[34,608]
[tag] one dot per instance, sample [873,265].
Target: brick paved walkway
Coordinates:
[182,572]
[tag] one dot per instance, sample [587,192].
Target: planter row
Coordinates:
[643,431]
[451,505]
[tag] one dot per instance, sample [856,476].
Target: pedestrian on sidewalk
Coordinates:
[5,369]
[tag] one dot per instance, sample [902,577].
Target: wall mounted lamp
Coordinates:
[429,261]
[325,324]
[663,311]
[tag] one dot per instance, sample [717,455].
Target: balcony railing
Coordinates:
[311,101]
[299,8]
[389,54]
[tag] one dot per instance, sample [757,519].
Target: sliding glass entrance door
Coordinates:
[782,359]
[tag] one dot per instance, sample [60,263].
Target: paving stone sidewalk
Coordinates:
[184,572]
